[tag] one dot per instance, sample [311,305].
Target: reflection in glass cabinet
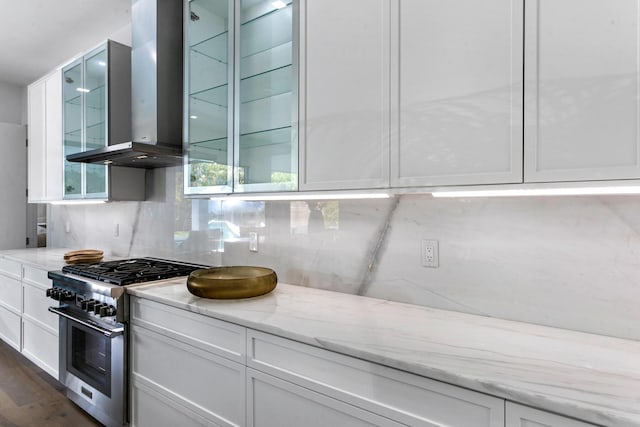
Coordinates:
[241,97]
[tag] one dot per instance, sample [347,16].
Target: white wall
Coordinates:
[12,104]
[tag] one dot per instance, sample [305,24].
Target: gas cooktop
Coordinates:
[136,270]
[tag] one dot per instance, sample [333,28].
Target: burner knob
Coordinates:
[50,292]
[83,304]
[90,304]
[106,310]
[67,296]
[55,294]
[98,306]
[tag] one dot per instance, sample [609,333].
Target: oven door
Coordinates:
[92,366]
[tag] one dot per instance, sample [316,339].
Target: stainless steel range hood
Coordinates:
[156,91]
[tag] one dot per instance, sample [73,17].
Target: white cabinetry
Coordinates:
[10,302]
[344,94]
[582,90]
[25,322]
[460,93]
[45,138]
[274,402]
[194,362]
[39,326]
[524,416]
[406,398]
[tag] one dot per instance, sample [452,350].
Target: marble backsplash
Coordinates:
[569,262]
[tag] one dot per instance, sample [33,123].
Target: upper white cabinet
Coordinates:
[460,93]
[582,90]
[344,94]
[45,138]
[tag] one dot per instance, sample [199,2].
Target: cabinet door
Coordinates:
[344,99]
[53,136]
[37,151]
[41,346]
[208,97]
[203,382]
[95,107]
[72,127]
[582,90]
[460,93]
[524,416]
[274,402]
[266,145]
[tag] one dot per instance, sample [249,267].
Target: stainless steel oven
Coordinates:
[93,366]
[93,312]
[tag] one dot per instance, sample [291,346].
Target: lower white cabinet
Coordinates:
[525,416]
[275,402]
[39,326]
[189,369]
[407,398]
[10,327]
[171,362]
[25,322]
[10,303]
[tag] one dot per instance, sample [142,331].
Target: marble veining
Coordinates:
[589,377]
[528,259]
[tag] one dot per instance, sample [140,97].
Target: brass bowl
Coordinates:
[232,282]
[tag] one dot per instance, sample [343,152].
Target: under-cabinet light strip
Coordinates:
[77,202]
[584,191]
[298,196]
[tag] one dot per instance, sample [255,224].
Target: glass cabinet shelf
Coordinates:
[266,137]
[214,48]
[267,84]
[215,95]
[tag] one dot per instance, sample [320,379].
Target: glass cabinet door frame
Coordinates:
[102,48]
[65,131]
[234,169]
[237,172]
[81,61]
[214,189]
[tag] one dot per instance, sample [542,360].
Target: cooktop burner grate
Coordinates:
[137,270]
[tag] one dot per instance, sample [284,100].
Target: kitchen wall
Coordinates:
[569,262]
[12,104]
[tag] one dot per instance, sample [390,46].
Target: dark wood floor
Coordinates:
[30,397]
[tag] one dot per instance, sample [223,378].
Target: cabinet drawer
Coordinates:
[524,416]
[10,328]
[191,376]
[408,398]
[274,402]
[36,276]
[40,346]
[11,268]
[35,307]
[152,409]
[10,293]
[221,338]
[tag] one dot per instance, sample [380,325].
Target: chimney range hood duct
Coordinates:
[156,91]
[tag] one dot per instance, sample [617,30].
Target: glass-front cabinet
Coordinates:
[240,97]
[87,120]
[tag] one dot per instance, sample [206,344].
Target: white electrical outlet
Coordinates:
[253,241]
[429,253]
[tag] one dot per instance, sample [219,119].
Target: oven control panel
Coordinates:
[60,294]
[89,305]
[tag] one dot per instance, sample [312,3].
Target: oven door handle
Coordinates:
[110,333]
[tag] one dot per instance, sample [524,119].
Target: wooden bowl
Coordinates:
[232,282]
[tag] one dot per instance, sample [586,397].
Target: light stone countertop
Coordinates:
[44,258]
[590,377]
